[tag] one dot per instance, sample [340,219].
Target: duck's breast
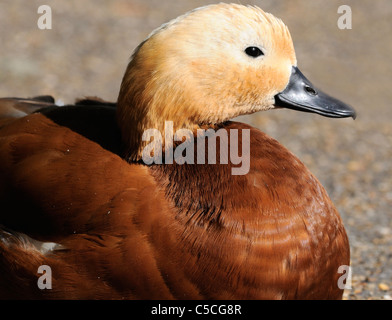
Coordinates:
[271,233]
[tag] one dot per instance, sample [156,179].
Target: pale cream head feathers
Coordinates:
[194,71]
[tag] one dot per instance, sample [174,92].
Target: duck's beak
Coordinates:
[300,94]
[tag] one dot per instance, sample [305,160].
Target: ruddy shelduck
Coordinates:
[76,196]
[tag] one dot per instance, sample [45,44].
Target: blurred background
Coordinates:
[86,52]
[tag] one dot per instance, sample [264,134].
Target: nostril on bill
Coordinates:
[310,90]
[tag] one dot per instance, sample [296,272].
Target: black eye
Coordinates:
[253,52]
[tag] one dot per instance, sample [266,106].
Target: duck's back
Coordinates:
[127,230]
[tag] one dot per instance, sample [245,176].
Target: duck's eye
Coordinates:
[253,52]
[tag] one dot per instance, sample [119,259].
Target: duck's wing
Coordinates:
[62,188]
[13,108]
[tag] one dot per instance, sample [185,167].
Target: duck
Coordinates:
[79,199]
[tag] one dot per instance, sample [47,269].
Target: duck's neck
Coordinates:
[142,136]
[152,94]
[147,105]
[148,124]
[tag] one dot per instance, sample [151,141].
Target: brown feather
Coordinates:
[134,231]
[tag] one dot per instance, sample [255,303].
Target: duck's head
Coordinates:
[211,65]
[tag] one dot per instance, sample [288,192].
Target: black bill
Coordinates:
[300,94]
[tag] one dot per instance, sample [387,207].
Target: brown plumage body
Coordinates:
[165,231]
[124,229]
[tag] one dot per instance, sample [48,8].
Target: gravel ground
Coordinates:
[87,50]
